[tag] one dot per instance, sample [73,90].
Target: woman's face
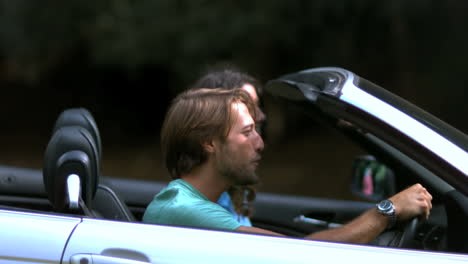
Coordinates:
[260,117]
[253,94]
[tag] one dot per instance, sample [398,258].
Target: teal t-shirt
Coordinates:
[182,204]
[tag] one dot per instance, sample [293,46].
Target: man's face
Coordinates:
[238,156]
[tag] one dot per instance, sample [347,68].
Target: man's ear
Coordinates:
[209,146]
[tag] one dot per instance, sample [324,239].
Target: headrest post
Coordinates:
[73,192]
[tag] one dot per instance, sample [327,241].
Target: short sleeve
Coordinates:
[182,205]
[206,215]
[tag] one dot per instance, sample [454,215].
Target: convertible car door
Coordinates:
[102,241]
[33,238]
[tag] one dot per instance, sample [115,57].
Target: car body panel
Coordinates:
[168,244]
[34,238]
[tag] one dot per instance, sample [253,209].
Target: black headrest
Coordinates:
[80,117]
[71,150]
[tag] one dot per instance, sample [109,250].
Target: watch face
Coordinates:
[385,205]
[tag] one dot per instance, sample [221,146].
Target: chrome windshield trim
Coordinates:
[414,129]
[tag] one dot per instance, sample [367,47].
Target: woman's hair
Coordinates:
[195,117]
[227,77]
[242,198]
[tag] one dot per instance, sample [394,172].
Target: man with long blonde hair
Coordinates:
[210,143]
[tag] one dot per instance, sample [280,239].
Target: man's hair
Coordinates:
[228,77]
[195,117]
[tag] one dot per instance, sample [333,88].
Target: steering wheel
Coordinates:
[409,233]
[401,236]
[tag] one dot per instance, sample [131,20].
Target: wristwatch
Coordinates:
[387,208]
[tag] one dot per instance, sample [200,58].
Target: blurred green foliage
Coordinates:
[111,55]
[409,47]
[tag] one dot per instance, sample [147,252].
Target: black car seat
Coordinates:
[80,117]
[105,203]
[70,170]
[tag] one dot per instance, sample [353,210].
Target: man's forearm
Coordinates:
[361,230]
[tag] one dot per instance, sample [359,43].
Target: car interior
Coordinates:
[71,183]
[75,148]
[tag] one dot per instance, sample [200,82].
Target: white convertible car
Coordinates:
[68,213]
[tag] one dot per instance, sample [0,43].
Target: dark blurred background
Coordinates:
[125,60]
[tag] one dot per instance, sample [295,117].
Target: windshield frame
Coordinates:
[367,106]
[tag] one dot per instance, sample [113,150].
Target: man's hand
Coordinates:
[411,202]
